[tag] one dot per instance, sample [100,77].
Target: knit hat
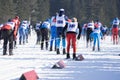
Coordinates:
[74,19]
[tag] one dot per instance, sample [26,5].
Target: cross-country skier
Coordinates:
[23,32]
[104,31]
[17,24]
[60,24]
[71,32]
[89,30]
[53,32]
[45,33]
[115,25]
[37,29]
[8,35]
[1,25]
[97,35]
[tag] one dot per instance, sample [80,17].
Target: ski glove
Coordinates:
[78,37]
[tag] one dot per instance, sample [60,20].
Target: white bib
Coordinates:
[72,26]
[60,21]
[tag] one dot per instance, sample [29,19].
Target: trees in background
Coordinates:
[40,10]
[6,10]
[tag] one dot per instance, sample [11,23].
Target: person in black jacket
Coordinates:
[44,29]
[7,33]
[38,33]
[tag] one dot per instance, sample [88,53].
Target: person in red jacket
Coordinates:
[115,25]
[7,33]
[71,33]
[17,24]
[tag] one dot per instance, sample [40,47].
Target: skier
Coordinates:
[97,35]
[37,29]
[22,31]
[89,30]
[71,32]
[1,25]
[8,34]
[44,33]
[119,32]
[104,30]
[115,25]
[17,24]
[53,32]
[60,24]
[83,33]
[27,32]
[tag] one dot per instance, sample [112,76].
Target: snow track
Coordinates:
[103,65]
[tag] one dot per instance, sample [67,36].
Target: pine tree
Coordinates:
[42,10]
[6,10]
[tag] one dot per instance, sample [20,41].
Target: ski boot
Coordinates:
[64,52]
[58,52]
[4,52]
[10,52]
[98,48]
[50,48]
[74,56]
[93,48]
[67,56]
[41,46]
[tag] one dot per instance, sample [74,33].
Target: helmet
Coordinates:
[97,20]
[74,19]
[17,17]
[9,20]
[62,10]
[116,18]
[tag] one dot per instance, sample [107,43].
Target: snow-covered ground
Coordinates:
[103,65]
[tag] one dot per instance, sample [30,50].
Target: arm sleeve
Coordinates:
[80,29]
[66,18]
[64,30]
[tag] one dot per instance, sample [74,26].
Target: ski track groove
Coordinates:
[41,61]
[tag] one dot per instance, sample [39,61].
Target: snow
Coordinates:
[103,65]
